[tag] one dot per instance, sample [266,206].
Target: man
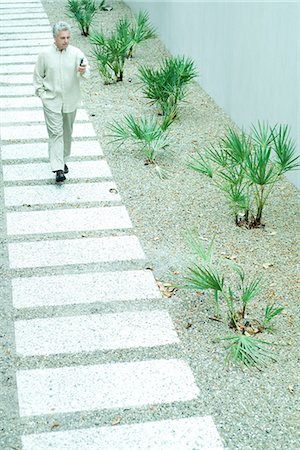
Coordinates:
[56,79]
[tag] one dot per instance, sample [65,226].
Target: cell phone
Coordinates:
[81,62]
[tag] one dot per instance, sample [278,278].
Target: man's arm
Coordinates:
[38,77]
[84,68]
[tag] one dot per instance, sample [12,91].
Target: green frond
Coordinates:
[203,278]
[251,290]
[271,311]
[201,164]
[285,150]
[248,351]
[201,251]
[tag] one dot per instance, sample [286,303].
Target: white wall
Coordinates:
[247,53]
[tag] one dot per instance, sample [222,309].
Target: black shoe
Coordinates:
[60,177]
[66,169]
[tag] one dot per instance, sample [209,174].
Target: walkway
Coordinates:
[77,288]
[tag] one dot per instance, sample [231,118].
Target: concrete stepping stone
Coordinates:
[24,44]
[17,68]
[84,288]
[35,116]
[89,333]
[16,79]
[67,220]
[5,24]
[11,50]
[32,15]
[65,194]
[40,150]
[24,37]
[74,251]
[13,59]
[191,433]
[117,385]
[20,29]
[24,132]
[42,171]
[20,102]
[8,91]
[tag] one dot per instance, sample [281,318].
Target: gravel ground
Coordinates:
[251,409]
[256,410]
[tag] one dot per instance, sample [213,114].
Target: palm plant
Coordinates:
[271,311]
[83,11]
[203,274]
[168,85]
[147,132]
[110,52]
[141,31]
[243,168]
[248,351]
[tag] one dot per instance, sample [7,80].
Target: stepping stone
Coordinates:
[35,116]
[74,251]
[12,59]
[16,79]
[40,150]
[84,288]
[14,68]
[26,44]
[25,132]
[42,171]
[192,433]
[10,50]
[23,21]
[24,37]
[20,102]
[65,194]
[22,2]
[18,17]
[67,220]
[90,333]
[8,91]
[20,29]
[117,385]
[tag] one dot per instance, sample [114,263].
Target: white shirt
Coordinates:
[56,79]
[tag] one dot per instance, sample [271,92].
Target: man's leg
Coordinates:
[54,124]
[68,121]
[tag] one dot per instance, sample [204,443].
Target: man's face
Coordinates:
[62,39]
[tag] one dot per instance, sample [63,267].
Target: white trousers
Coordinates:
[60,128]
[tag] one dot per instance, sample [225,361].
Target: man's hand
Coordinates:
[81,69]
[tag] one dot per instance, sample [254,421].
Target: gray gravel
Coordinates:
[254,410]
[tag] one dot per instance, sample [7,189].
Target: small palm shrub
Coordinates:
[246,350]
[141,31]
[169,84]
[83,11]
[247,167]
[111,51]
[148,133]
[203,274]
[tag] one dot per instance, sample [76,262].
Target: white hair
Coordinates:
[60,26]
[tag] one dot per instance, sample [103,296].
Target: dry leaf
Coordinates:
[188,325]
[116,420]
[55,425]
[166,289]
